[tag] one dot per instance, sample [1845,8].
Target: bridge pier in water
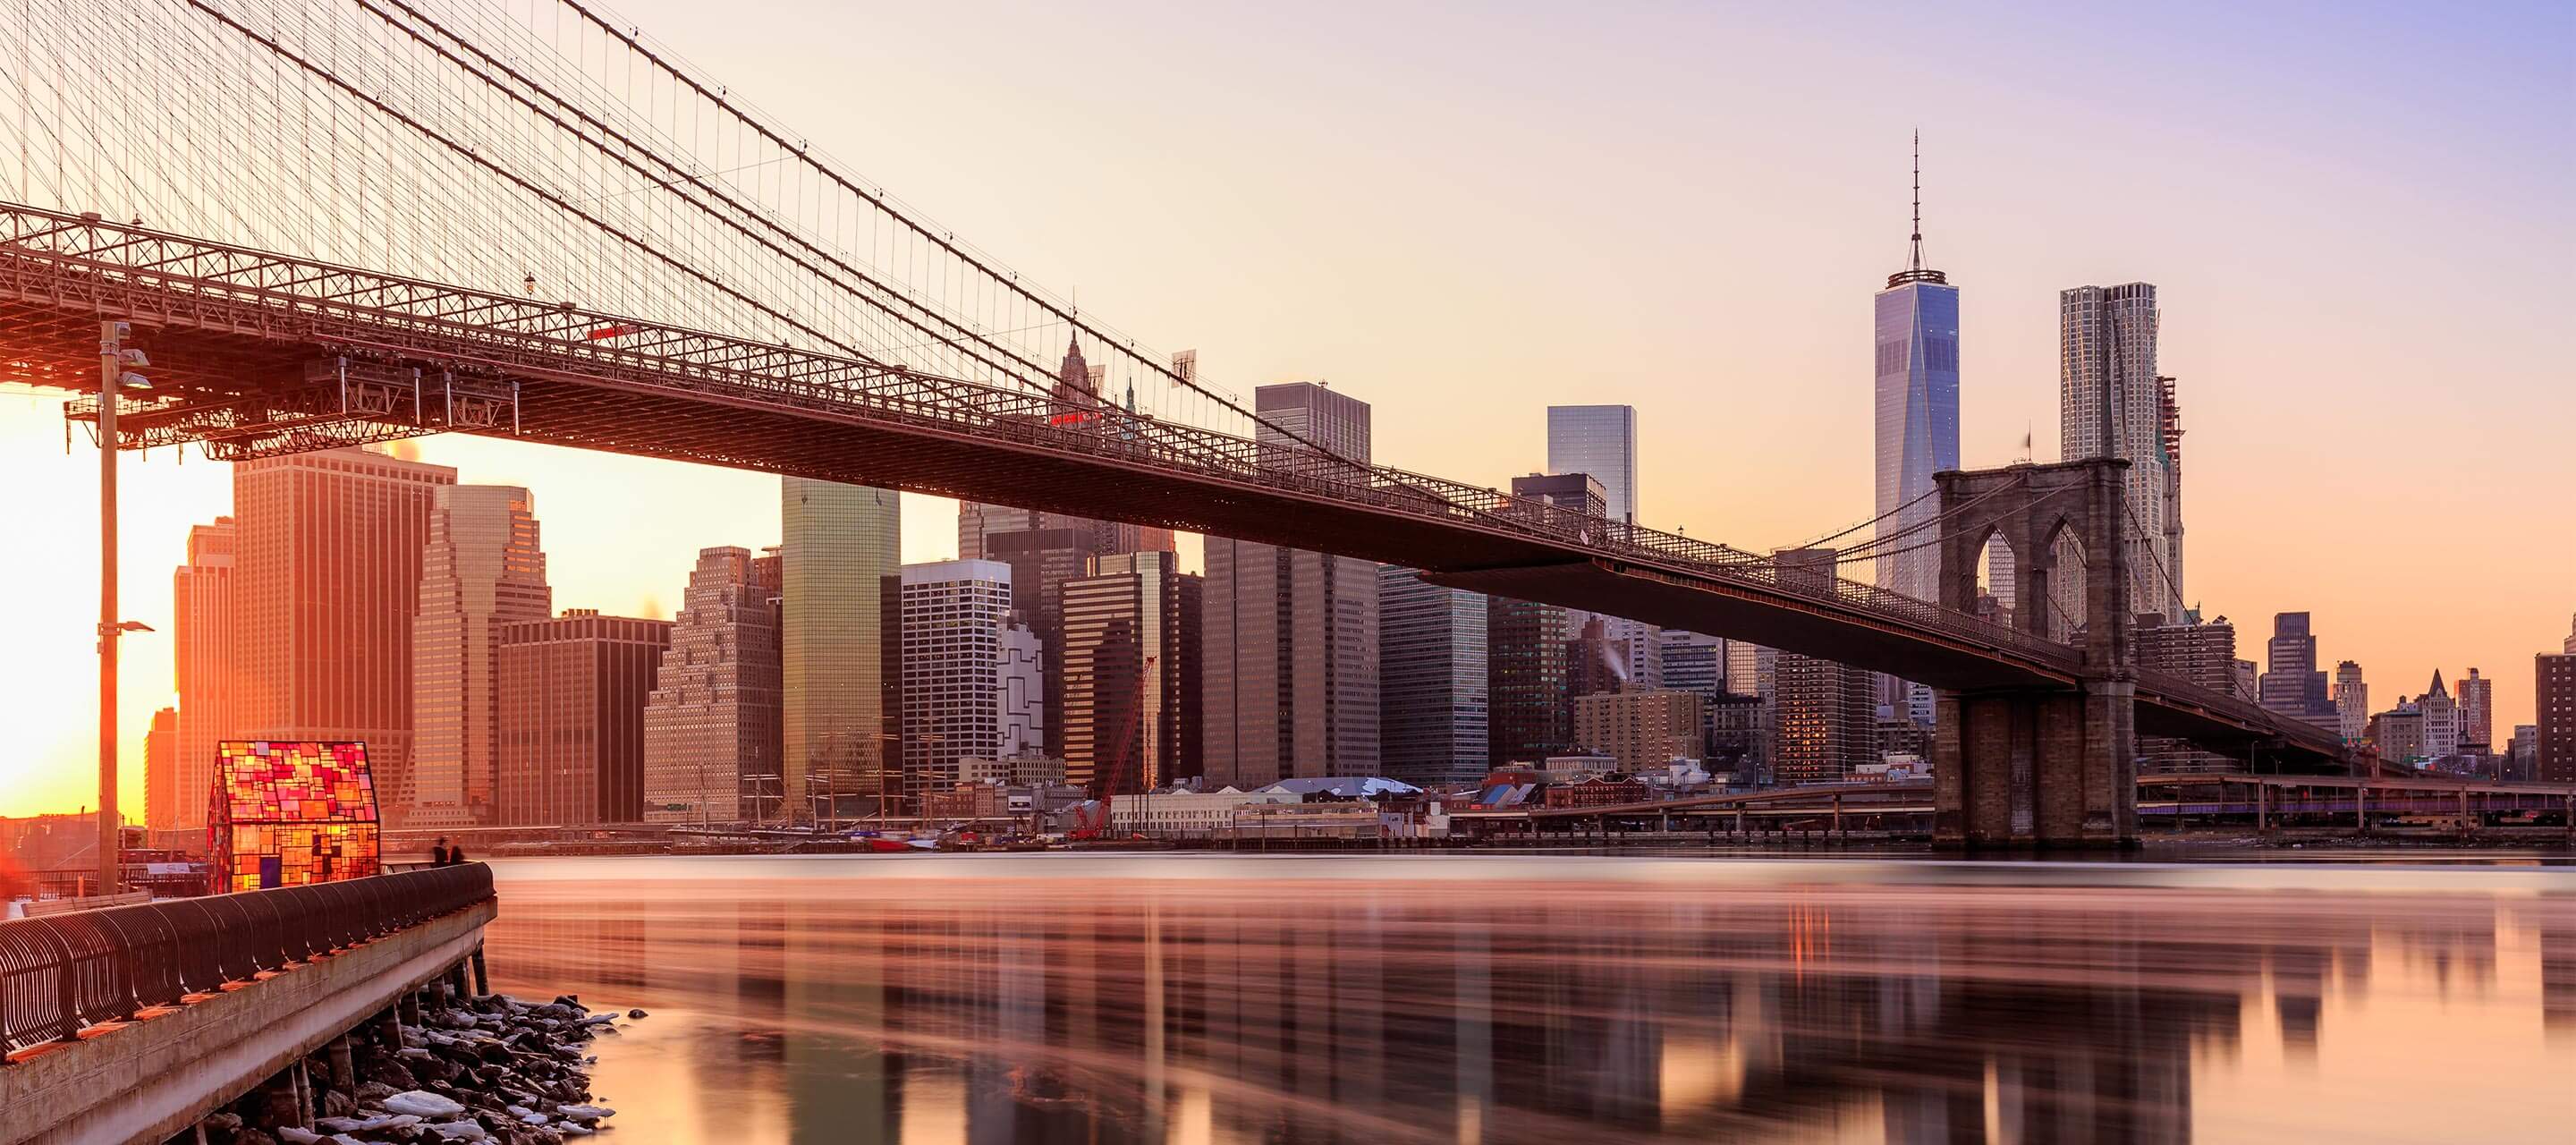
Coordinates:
[2053,764]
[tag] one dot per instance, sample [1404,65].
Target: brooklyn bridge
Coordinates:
[377,219]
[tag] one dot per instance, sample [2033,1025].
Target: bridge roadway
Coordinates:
[257,353]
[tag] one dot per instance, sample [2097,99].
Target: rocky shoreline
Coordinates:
[485,1068]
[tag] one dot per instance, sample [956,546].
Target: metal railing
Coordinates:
[61,973]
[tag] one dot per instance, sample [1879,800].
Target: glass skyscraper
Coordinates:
[1917,379]
[839,675]
[1601,441]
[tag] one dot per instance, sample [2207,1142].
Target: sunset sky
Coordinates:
[2358,217]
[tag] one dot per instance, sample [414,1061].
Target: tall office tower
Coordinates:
[1529,704]
[1695,663]
[2554,712]
[1826,712]
[2477,711]
[1643,729]
[1528,666]
[201,610]
[326,576]
[1917,380]
[2294,686]
[837,544]
[482,568]
[2441,719]
[573,691]
[1291,654]
[2198,653]
[2351,701]
[1600,441]
[2111,404]
[967,671]
[1042,561]
[1130,666]
[161,791]
[1432,699]
[712,727]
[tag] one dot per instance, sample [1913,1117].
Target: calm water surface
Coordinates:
[1181,999]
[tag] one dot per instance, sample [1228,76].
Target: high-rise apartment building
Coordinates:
[1290,667]
[1432,680]
[201,611]
[2293,685]
[1643,729]
[2111,403]
[970,672]
[326,574]
[482,568]
[2554,713]
[1917,430]
[1826,713]
[1130,707]
[840,678]
[2477,712]
[573,691]
[2351,701]
[2202,653]
[712,726]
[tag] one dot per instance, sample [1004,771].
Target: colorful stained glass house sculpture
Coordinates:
[290,813]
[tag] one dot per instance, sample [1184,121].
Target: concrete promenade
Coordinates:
[152,1077]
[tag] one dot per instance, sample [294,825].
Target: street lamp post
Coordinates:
[113,357]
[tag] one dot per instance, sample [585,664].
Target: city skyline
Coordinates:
[1725,485]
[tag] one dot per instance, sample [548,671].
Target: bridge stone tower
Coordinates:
[2051,764]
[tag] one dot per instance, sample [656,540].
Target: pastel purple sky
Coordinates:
[2358,216]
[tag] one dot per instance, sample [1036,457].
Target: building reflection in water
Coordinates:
[934,1011]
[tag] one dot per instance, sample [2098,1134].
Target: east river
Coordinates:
[1188,999]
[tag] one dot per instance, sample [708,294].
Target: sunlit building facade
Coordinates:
[482,568]
[840,684]
[201,613]
[573,691]
[288,814]
[712,723]
[1643,729]
[326,580]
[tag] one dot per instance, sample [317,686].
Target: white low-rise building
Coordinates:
[1182,813]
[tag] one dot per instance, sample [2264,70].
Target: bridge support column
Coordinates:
[2036,769]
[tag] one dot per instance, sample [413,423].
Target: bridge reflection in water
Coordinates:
[1495,1001]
